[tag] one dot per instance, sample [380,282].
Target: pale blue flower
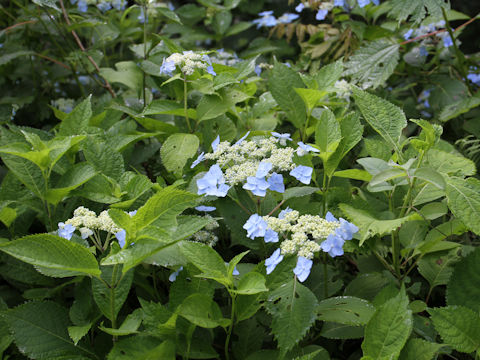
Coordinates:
[167,67]
[119,4]
[475,78]
[282,137]
[423,51]
[447,41]
[333,245]
[263,168]
[132,213]
[302,174]
[275,259]
[299,8]
[216,142]
[339,3]
[242,138]
[408,34]
[376,2]
[258,186]
[304,149]
[198,160]
[255,226]
[142,18]
[235,271]
[346,230]
[213,183]
[173,276]
[276,183]
[271,236]
[321,14]
[284,212]
[287,18]
[104,6]
[363,3]
[121,236]
[302,270]
[267,19]
[211,71]
[82,6]
[258,70]
[205,208]
[65,231]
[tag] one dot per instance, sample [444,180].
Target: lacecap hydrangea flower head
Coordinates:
[258,165]
[301,236]
[187,62]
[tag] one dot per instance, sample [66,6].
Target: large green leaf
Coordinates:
[176,150]
[384,117]
[462,288]
[458,326]
[40,331]
[437,269]
[104,159]
[388,329]
[212,106]
[370,226]
[202,311]
[291,308]
[111,293]
[416,9]
[142,348]
[282,83]
[450,164]
[347,310]
[251,283]
[328,75]
[77,121]
[463,197]
[327,134]
[27,172]
[53,252]
[373,63]
[127,73]
[76,176]
[419,349]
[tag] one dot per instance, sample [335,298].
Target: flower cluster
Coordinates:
[87,222]
[102,5]
[473,76]
[303,236]
[327,6]
[426,29]
[225,58]
[206,235]
[423,100]
[63,104]
[256,164]
[187,61]
[268,20]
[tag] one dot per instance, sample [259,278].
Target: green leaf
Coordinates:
[212,106]
[384,117]
[450,164]
[207,260]
[419,349]
[460,289]
[221,22]
[291,308]
[282,83]
[440,233]
[176,150]
[458,326]
[388,329]
[49,3]
[355,174]
[142,347]
[373,63]
[340,331]
[402,9]
[370,225]
[458,108]
[110,298]
[104,159]
[53,252]
[23,150]
[327,134]
[328,75]
[251,283]
[27,172]
[76,333]
[77,121]
[437,269]
[299,191]
[310,97]
[347,310]
[7,215]
[127,73]
[463,197]
[351,131]
[129,326]
[40,331]
[431,176]
[202,311]
[169,14]
[387,175]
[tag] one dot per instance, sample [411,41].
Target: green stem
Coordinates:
[144,55]
[185,105]
[460,57]
[230,327]
[325,275]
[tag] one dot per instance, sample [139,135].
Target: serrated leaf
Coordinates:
[373,63]
[340,331]
[384,117]
[291,308]
[461,289]
[355,174]
[27,172]
[458,326]
[77,121]
[142,348]
[419,349]
[251,283]
[450,164]
[110,298]
[437,269]
[104,159]
[176,150]
[299,191]
[416,9]
[328,75]
[76,333]
[431,176]
[389,328]
[53,252]
[347,310]
[310,97]
[76,176]
[463,197]
[49,3]
[212,106]
[370,226]
[129,326]
[202,311]
[387,175]
[127,73]
[282,83]
[458,108]
[40,331]
[327,134]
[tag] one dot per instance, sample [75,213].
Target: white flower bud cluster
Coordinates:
[188,61]
[225,58]
[343,89]
[206,236]
[303,233]
[85,220]
[242,160]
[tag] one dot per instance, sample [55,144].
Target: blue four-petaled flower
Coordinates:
[273,261]
[258,186]
[213,183]
[302,270]
[65,231]
[302,173]
[255,226]
[276,183]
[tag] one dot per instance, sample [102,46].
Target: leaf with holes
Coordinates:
[347,310]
